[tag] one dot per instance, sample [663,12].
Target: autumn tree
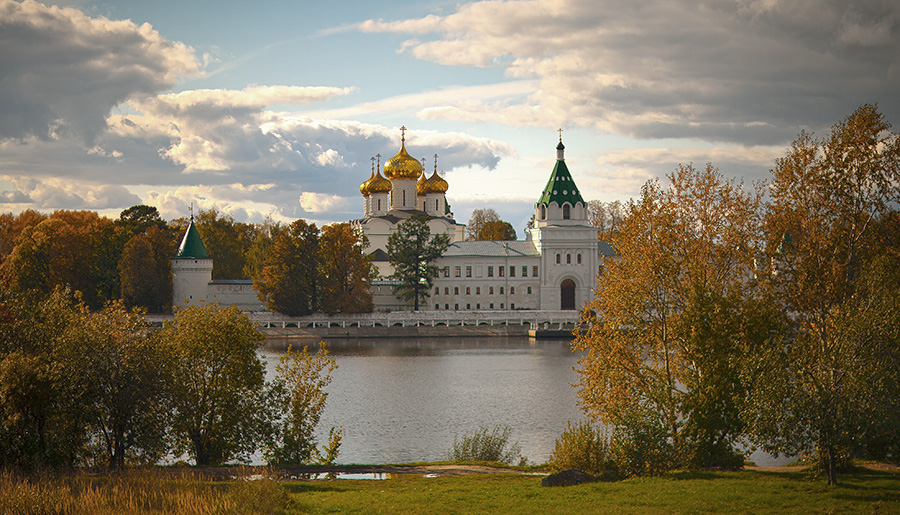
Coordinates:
[259,248]
[74,248]
[220,407]
[42,417]
[289,282]
[477,221]
[122,372]
[344,271]
[497,231]
[668,318]
[300,385]
[140,218]
[411,252]
[830,384]
[145,270]
[12,226]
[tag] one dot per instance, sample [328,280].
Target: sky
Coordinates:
[275,108]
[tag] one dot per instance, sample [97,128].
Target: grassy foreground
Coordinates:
[863,491]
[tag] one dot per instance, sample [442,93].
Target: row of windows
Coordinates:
[501,270]
[437,307]
[490,289]
[568,258]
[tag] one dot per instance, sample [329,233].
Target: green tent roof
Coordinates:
[192,245]
[560,188]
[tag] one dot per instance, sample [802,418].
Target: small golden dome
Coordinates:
[421,184]
[364,187]
[402,166]
[379,184]
[434,184]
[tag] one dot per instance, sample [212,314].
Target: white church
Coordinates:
[554,268]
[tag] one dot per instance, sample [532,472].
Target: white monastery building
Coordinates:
[554,268]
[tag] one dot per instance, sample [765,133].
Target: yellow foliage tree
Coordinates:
[667,318]
[832,383]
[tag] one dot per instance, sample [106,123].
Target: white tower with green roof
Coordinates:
[191,269]
[565,240]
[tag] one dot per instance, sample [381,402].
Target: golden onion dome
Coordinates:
[435,184]
[403,166]
[379,184]
[421,184]
[364,187]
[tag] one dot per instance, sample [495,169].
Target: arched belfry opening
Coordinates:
[567,295]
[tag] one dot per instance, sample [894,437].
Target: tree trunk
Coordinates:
[828,464]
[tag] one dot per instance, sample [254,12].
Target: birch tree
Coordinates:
[668,316]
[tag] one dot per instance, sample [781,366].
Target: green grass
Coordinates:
[862,491]
[712,492]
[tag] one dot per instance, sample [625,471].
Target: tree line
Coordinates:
[128,258]
[765,315]
[82,387]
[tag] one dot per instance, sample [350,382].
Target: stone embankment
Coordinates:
[423,324]
[409,324]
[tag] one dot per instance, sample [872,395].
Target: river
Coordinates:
[405,400]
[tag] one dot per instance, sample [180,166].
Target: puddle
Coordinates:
[370,476]
[366,476]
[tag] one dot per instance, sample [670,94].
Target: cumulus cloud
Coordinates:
[64,71]
[52,194]
[749,71]
[318,202]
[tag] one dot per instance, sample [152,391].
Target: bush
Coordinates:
[641,446]
[485,445]
[584,448]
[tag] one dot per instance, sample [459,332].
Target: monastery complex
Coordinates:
[554,268]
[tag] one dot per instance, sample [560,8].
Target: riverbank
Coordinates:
[494,491]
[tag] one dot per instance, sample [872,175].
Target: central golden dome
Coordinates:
[403,166]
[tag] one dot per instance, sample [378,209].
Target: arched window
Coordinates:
[543,212]
[404,198]
[558,259]
[568,259]
[566,212]
[436,205]
[379,204]
[579,259]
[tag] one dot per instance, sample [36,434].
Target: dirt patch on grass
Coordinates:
[884,467]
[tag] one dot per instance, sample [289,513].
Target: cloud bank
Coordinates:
[746,71]
[88,121]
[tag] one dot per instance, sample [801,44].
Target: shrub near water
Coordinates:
[486,445]
[584,448]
